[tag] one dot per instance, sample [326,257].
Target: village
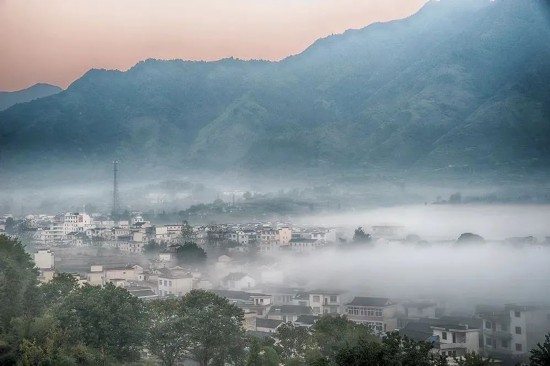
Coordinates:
[150,261]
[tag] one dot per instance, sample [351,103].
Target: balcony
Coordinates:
[499,334]
[446,346]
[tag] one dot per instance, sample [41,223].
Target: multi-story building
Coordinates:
[301,245]
[325,302]
[76,222]
[455,340]
[176,285]
[377,312]
[510,332]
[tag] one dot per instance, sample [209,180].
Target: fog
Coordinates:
[490,273]
[443,221]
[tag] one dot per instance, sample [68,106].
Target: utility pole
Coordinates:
[116,200]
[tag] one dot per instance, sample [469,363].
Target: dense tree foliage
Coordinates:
[167,338]
[109,319]
[437,92]
[361,237]
[540,356]
[190,253]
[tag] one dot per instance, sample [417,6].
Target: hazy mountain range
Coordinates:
[461,85]
[7,99]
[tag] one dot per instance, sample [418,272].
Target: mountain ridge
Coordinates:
[424,93]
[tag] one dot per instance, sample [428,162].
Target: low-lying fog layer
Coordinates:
[443,222]
[486,273]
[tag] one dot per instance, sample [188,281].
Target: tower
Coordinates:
[116,203]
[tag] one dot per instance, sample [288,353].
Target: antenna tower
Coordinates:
[116,199]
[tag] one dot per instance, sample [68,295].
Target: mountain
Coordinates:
[463,85]
[7,99]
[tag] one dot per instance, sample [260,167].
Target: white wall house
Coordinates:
[456,340]
[175,285]
[238,282]
[44,259]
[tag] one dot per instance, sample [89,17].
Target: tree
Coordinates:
[331,333]
[187,233]
[213,328]
[469,238]
[473,359]
[394,350]
[293,341]
[361,237]
[19,294]
[166,337]
[254,357]
[190,253]
[109,319]
[540,356]
[58,289]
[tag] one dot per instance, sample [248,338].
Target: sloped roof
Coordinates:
[290,310]
[418,331]
[370,301]
[267,323]
[235,276]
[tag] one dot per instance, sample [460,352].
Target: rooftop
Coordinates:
[370,301]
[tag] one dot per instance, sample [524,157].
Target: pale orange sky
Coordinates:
[56,41]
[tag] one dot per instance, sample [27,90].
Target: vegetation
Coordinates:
[190,253]
[540,356]
[434,105]
[361,237]
[62,323]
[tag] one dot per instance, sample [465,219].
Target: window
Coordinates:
[334,299]
[378,312]
[517,314]
[504,343]
[489,341]
[518,330]
[170,283]
[444,335]
[316,310]
[488,324]
[316,299]
[519,347]
[165,283]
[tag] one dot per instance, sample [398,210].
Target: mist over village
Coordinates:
[278,183]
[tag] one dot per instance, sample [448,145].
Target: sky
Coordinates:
[57,41]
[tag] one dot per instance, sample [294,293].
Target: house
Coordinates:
[455,340]
[238,281]
[99,276]
[511,331]
[142,292]
[175,284]
[421,309]
[301,245]
[325,302]
[267,325]
[44,259]
[256,303]
[377,312]
[288,313]
[449,339]
[283,295]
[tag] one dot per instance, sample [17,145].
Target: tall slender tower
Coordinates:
[116,201]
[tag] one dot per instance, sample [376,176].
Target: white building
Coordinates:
[238,282]
[44,259]
[176,285]
[325,302]
[76,222]
[456,340]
